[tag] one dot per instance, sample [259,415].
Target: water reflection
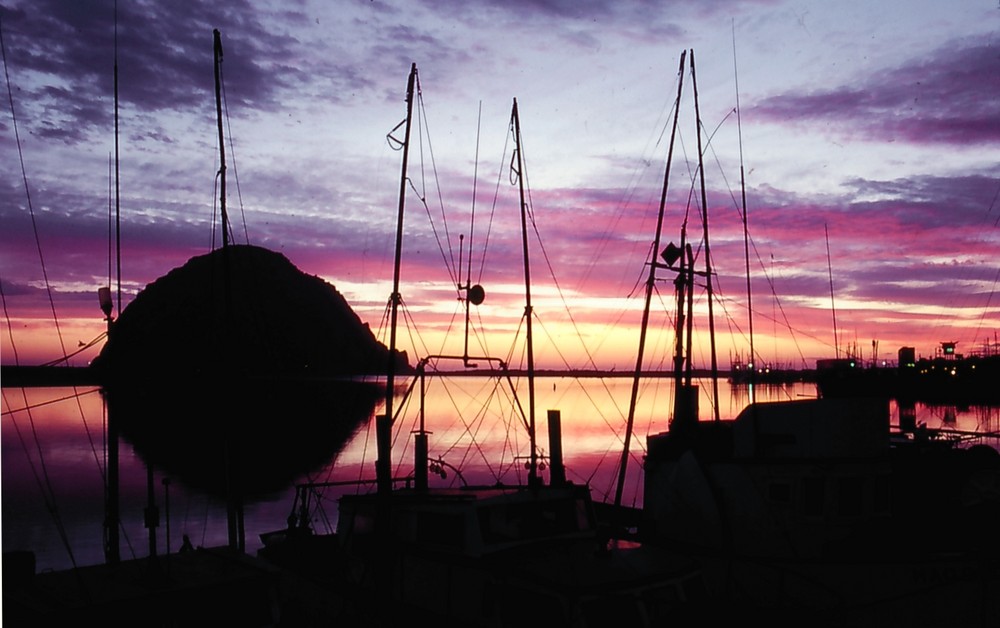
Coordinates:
[254,437]
[294,436]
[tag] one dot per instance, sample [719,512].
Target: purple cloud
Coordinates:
[937,99]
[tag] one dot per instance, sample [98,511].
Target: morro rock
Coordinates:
[242,310]
[237,373]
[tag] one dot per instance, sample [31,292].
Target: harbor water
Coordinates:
[54,457]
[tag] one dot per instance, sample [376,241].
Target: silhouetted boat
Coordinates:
[498,555]
[817,512]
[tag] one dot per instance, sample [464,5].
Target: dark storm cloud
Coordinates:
[935,99]
[61,58]
[598,12]
[933,202]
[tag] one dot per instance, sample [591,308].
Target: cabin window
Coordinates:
[850,496]
[813,496]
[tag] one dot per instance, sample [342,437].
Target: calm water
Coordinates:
[53,457]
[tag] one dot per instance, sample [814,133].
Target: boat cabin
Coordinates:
[483,556]
[791,478]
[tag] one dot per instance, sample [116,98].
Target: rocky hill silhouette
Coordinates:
[243,310]
[237,373]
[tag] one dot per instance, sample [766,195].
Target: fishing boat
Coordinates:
[480,555]
[816,511]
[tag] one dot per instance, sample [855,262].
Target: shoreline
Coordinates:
[14,376]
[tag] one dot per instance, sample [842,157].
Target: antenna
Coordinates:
[833,308]
[519,160]
[473,293]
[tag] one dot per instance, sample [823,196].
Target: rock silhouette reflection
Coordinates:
[258,434]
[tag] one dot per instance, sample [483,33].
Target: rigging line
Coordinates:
[475,182]
[454,271]
[416,340]
[510,360]
[640,277]
[38,244]
[118,222]
[232,152]
[743,194]
[83,347]
[777,300]
[493,208]
[833,310]
[110,218]
[27,193]
[474,332]
[42,478]
[562,296]
[628,196]
[437,237]
[215,209]
[552,274]
[545,255]
[48,402]
[478,421]
[985,310]
[996,223]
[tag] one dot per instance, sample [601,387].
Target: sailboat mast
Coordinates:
[112,547]
[472,229]
[751,363]
[222,145]
[708,255]
[384,466]
[650,282]
[533,461]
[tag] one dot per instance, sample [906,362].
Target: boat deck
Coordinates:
[207,586]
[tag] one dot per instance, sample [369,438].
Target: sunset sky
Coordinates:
[868,132]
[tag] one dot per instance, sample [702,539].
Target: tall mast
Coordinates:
[650,282]
[746,230]
[533,461]
[384,465]
[708,255]
[473,294]
[112,548]
[234,497]
[222,145]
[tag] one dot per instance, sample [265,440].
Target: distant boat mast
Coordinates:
[746,230]
[708,255]
[222,145]
[515,121]
[650,284]
[383,425]
[833,307]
